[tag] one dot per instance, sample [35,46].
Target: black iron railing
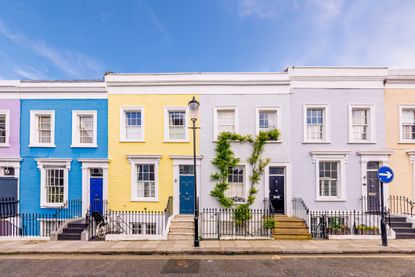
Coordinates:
[301,210]
[325,223]
[220,223]
[400,205]
[39,224]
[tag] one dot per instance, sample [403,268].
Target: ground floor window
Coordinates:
[139,228]
[146,182]
[236,181]
[329,178]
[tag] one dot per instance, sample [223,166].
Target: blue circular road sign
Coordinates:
[385,174]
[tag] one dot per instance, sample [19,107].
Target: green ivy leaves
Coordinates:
[225,159]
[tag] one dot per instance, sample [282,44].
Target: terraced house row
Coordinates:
[123,145]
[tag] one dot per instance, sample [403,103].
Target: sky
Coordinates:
[83,39]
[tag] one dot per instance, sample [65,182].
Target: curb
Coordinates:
[209,252]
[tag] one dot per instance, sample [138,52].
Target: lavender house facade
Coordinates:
[338,135]
[9,140]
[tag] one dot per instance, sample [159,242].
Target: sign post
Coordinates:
[385,175]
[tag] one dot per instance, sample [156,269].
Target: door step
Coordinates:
[290,228]
[181,228]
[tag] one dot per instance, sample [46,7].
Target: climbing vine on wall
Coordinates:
[225,159]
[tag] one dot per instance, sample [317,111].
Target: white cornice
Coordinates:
[185,157]
[98,160]
[11,160]
[54,161]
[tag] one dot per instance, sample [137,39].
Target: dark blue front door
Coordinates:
[187,194]
[95,195]
[8,196]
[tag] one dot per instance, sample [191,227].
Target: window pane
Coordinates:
[360,123]
[236,183]
[329,178]
[315,124]
[267,120]
[186,170]
[44,130]
[146,180]
[226,121]
[55,184]
[177,125]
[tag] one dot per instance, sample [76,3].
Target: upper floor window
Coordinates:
[361,128]
[225,120]
[84,129]
[236,181]
[42,129]
[407,124]
[316,124]
[132,124]
[267,119]
[176,124]
[4,128]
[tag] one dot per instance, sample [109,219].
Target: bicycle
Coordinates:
[105,225]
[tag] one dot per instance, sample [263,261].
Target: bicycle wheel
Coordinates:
[101,230]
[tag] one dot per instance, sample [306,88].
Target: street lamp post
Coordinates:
[193,110]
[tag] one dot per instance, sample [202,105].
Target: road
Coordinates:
[271,265]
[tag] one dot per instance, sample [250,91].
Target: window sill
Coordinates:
[130,140]
[176,141]
[273,141]
[57,205]
[145,200]
[42,145]
[406,142]
[362,142]
[4,145]
[330,200]
[316,142]
[84,146]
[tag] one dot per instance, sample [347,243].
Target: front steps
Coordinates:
[73,231]
[402,228]
[181,228]
[290,228]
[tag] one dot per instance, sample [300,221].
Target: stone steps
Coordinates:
[290,228]
[181,228]
[72,231]
[402,228]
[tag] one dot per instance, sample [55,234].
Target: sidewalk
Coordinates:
[207,247]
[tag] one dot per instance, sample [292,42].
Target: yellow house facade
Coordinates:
[400,130]
[150,144]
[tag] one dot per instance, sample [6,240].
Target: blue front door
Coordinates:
[187,194]
[95,195]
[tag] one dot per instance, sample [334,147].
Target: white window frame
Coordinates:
[245,184]
[41,163]
[401,138]
[7,122]
[371,121]
[166,123]
[215,119]
[76,139]
[34,139]
[277,110]
[341,158]
[123,135]
[136,160]
[326,121]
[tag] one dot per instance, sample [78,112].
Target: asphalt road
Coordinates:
[46,265]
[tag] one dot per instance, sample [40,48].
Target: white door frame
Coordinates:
[373,156]
[88,164]
[287,184]
[183,160]
[15,163]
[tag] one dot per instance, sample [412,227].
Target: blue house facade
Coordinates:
[64,147]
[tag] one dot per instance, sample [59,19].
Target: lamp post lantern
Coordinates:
[193,111]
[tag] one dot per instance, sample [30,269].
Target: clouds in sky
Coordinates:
[337,32]
[72,63]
